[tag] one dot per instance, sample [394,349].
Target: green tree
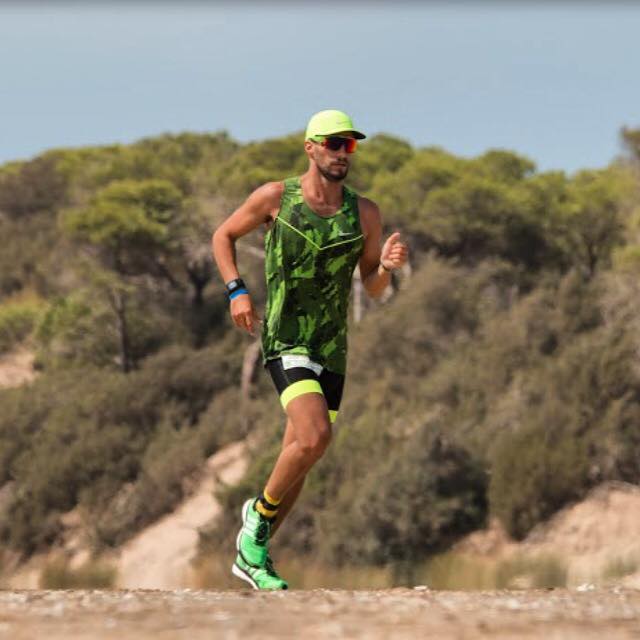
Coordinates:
[503,165]
[257,163]
[380,154]
[134,227]
[32,187]
[594,221]
[631,141]
[402,195]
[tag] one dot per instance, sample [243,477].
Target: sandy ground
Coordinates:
[395,613]
[590,537]
[16,368]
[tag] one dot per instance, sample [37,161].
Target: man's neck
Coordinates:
[320,189]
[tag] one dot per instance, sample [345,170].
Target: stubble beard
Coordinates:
[334,177]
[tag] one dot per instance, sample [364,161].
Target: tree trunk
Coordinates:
[118,301]
[199,268]
[357,297]
[249,362]
[199,282]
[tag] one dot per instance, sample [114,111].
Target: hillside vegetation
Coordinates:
[499,379]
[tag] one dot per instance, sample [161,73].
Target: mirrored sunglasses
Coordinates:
[333,143]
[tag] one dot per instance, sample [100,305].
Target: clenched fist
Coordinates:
[394,252]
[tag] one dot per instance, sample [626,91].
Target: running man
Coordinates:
[318,231]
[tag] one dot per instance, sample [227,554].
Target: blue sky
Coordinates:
[553,81]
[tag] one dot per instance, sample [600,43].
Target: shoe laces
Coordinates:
[263,531]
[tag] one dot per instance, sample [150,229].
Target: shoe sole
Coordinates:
[239,573]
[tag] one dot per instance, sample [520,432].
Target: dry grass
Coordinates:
[214,572]
[449,571]
[92,575]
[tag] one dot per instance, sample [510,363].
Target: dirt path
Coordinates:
[16,368]
[159,557]
[398,613]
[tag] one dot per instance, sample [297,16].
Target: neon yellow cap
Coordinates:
[330,122]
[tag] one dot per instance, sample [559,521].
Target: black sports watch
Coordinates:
[235,285]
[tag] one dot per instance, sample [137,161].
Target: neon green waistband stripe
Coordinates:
[333,415]
[297,389]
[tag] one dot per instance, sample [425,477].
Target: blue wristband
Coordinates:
[237,292]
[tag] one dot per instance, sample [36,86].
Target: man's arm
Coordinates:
[375,263]
[259,208]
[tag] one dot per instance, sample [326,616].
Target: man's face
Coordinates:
[333,165]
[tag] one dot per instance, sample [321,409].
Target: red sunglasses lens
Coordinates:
[335,142]
[350,145]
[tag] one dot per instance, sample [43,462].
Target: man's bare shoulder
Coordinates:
[369,214]
[265,200]
[369,207]
[269,193]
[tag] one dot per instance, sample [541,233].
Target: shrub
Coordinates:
[112,430]
[33,186]
[168,463]
[17,320]
[418,501]
[534,473]
[576,430]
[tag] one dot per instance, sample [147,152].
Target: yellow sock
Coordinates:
[267,505]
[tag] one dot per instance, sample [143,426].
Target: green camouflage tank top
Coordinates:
[309,265]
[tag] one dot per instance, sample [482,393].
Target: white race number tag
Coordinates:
[292,361]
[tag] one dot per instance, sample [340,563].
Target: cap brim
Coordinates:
[358,135]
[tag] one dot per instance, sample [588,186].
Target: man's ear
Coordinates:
[308,147]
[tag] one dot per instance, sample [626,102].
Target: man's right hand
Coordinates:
[244,315]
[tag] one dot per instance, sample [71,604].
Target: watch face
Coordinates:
[232,285]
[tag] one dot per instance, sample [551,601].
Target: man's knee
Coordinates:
[316,440]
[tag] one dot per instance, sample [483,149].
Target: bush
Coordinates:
[111,431]
[577,420]
[33,257]
[33,186]
[536,472]
[17,320]
[168,464]
[417,502]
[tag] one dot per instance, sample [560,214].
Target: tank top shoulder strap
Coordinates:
[351,207]
[292,187]
[290,195]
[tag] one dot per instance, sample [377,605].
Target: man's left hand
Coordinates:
[394,252]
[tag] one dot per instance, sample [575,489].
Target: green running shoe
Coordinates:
[261,578]
[253,537]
